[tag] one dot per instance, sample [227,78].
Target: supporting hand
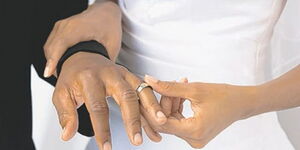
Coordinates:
[100,22]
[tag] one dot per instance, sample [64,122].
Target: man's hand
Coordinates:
[89,78]
[215,107]
[100,22]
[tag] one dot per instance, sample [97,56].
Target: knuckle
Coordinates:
[129,95]
[63,94]
[107,132]
[86,73]
[57,23]
[110,68]
[135,122]
[166,86]
[71,23]
[151,106]
[123,69]
[99,108]
[59,96]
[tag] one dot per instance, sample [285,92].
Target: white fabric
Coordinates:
[285,46]
[214,30]
[209,41]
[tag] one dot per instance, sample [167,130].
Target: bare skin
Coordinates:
[210,101]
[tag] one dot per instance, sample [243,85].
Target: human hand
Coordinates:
[215,107]
[89,78]
[100,22]
[173,106]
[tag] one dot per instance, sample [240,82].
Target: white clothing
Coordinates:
[209,41]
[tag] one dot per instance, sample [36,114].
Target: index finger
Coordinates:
[171,89]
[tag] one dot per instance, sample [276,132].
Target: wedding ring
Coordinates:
[142,86]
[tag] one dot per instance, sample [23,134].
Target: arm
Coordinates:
[279,94]
[216,106]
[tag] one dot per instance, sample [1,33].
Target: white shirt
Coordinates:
[220,41]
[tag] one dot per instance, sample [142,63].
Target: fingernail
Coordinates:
[159,136]
[151,79]
[160,115]
[107,146]
[46,72]
[63,133]
[138,139]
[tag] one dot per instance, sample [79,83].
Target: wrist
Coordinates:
[92,47]
[84,58]
[250,101]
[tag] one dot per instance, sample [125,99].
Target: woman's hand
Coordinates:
[173,106]
[89,78]
[100,22]
[215,107]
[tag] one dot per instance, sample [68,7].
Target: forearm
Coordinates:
[110,10]
[279,94]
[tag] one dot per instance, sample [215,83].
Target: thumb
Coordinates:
[53,56]
[171,89]
[67,114]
